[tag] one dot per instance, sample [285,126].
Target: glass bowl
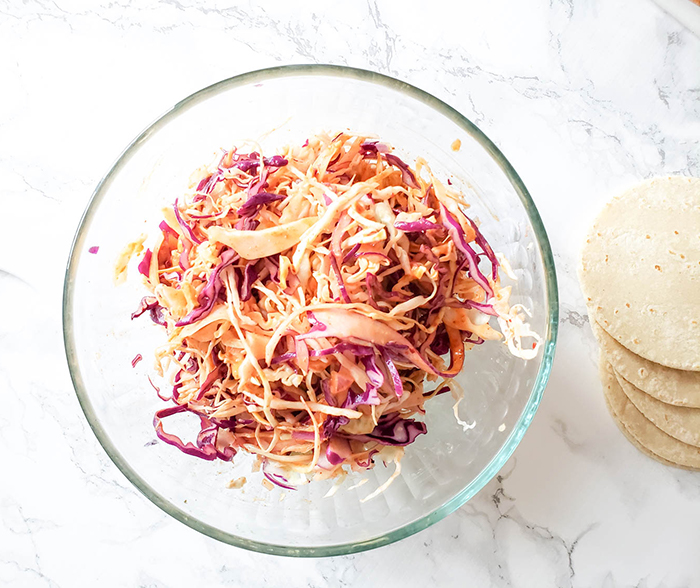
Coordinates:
[441,470]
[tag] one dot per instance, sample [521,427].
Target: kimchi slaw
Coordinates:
[314,301]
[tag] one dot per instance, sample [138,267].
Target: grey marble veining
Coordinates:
[583,97]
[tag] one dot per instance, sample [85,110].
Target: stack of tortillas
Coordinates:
[640,274]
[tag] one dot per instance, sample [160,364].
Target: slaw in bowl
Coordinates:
[307,297]
[444,467]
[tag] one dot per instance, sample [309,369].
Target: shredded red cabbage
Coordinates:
[416,226]
[316,325]
[355,348]
[249,164]
[211,377]
[145,263]
[246,224]
[185,227]
[441,342]
[333,457]
[470,257]
[376,381]
[255,203]
[332,424]
[258,185]
[273,266]
[392,429]
[393,372]
[278,480]
[369,396]
[406,174]
[333,161]
[275,161]
[326,389]
[366,463]
[207,452]
[284,357]
[94,249]
[156,311]
[250,274]
[208,295]
[375,286]
[483,243]
[206,442]
[136,359]
[374,147]
[206,186]
[370,295]
[476,341]
[207,435]
[350,255]
[163,398]
[437,392]
[166,229]
[177,386]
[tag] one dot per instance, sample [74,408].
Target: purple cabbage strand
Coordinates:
[150,303]
[145,264]
[185,227]
[470,257]
[210,292]
[406,174]
[255,203]
[416,226]
[392,429]
[393,372]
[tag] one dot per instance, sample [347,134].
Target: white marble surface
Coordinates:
[583,96]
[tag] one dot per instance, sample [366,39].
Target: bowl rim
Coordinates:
[521,425]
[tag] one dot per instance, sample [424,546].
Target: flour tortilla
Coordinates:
[680,422]
[653,441]
[640,271]
[677,387]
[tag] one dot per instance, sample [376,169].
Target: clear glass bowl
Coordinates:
[441,470]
